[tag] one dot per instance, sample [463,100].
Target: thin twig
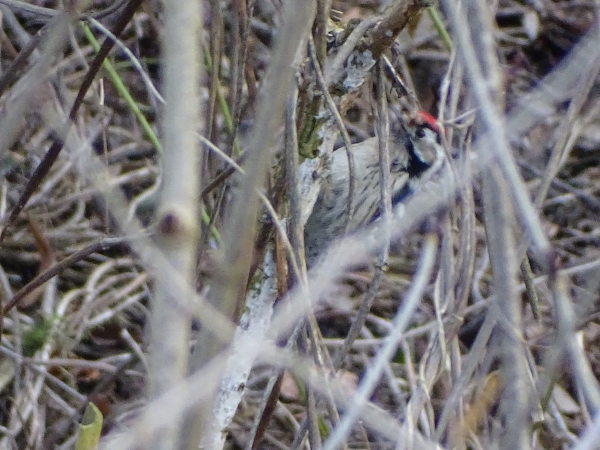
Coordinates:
[401,321]
[386,207]
[340,122]
[497,140]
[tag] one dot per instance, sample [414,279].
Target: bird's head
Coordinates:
[423,144]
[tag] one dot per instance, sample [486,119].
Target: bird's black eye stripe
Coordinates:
[416,166]
[420,132]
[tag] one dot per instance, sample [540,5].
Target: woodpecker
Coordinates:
[416,155]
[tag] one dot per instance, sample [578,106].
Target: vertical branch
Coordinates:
[383,132]
[216,50]
[292,163]
[296,236]
[178,210]
[320,28]
[496,140]
[240,231]
[241,24]
[340,123]
[499,225]
[383,136]
[231,278]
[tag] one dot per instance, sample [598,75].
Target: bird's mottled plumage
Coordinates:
[415,155]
